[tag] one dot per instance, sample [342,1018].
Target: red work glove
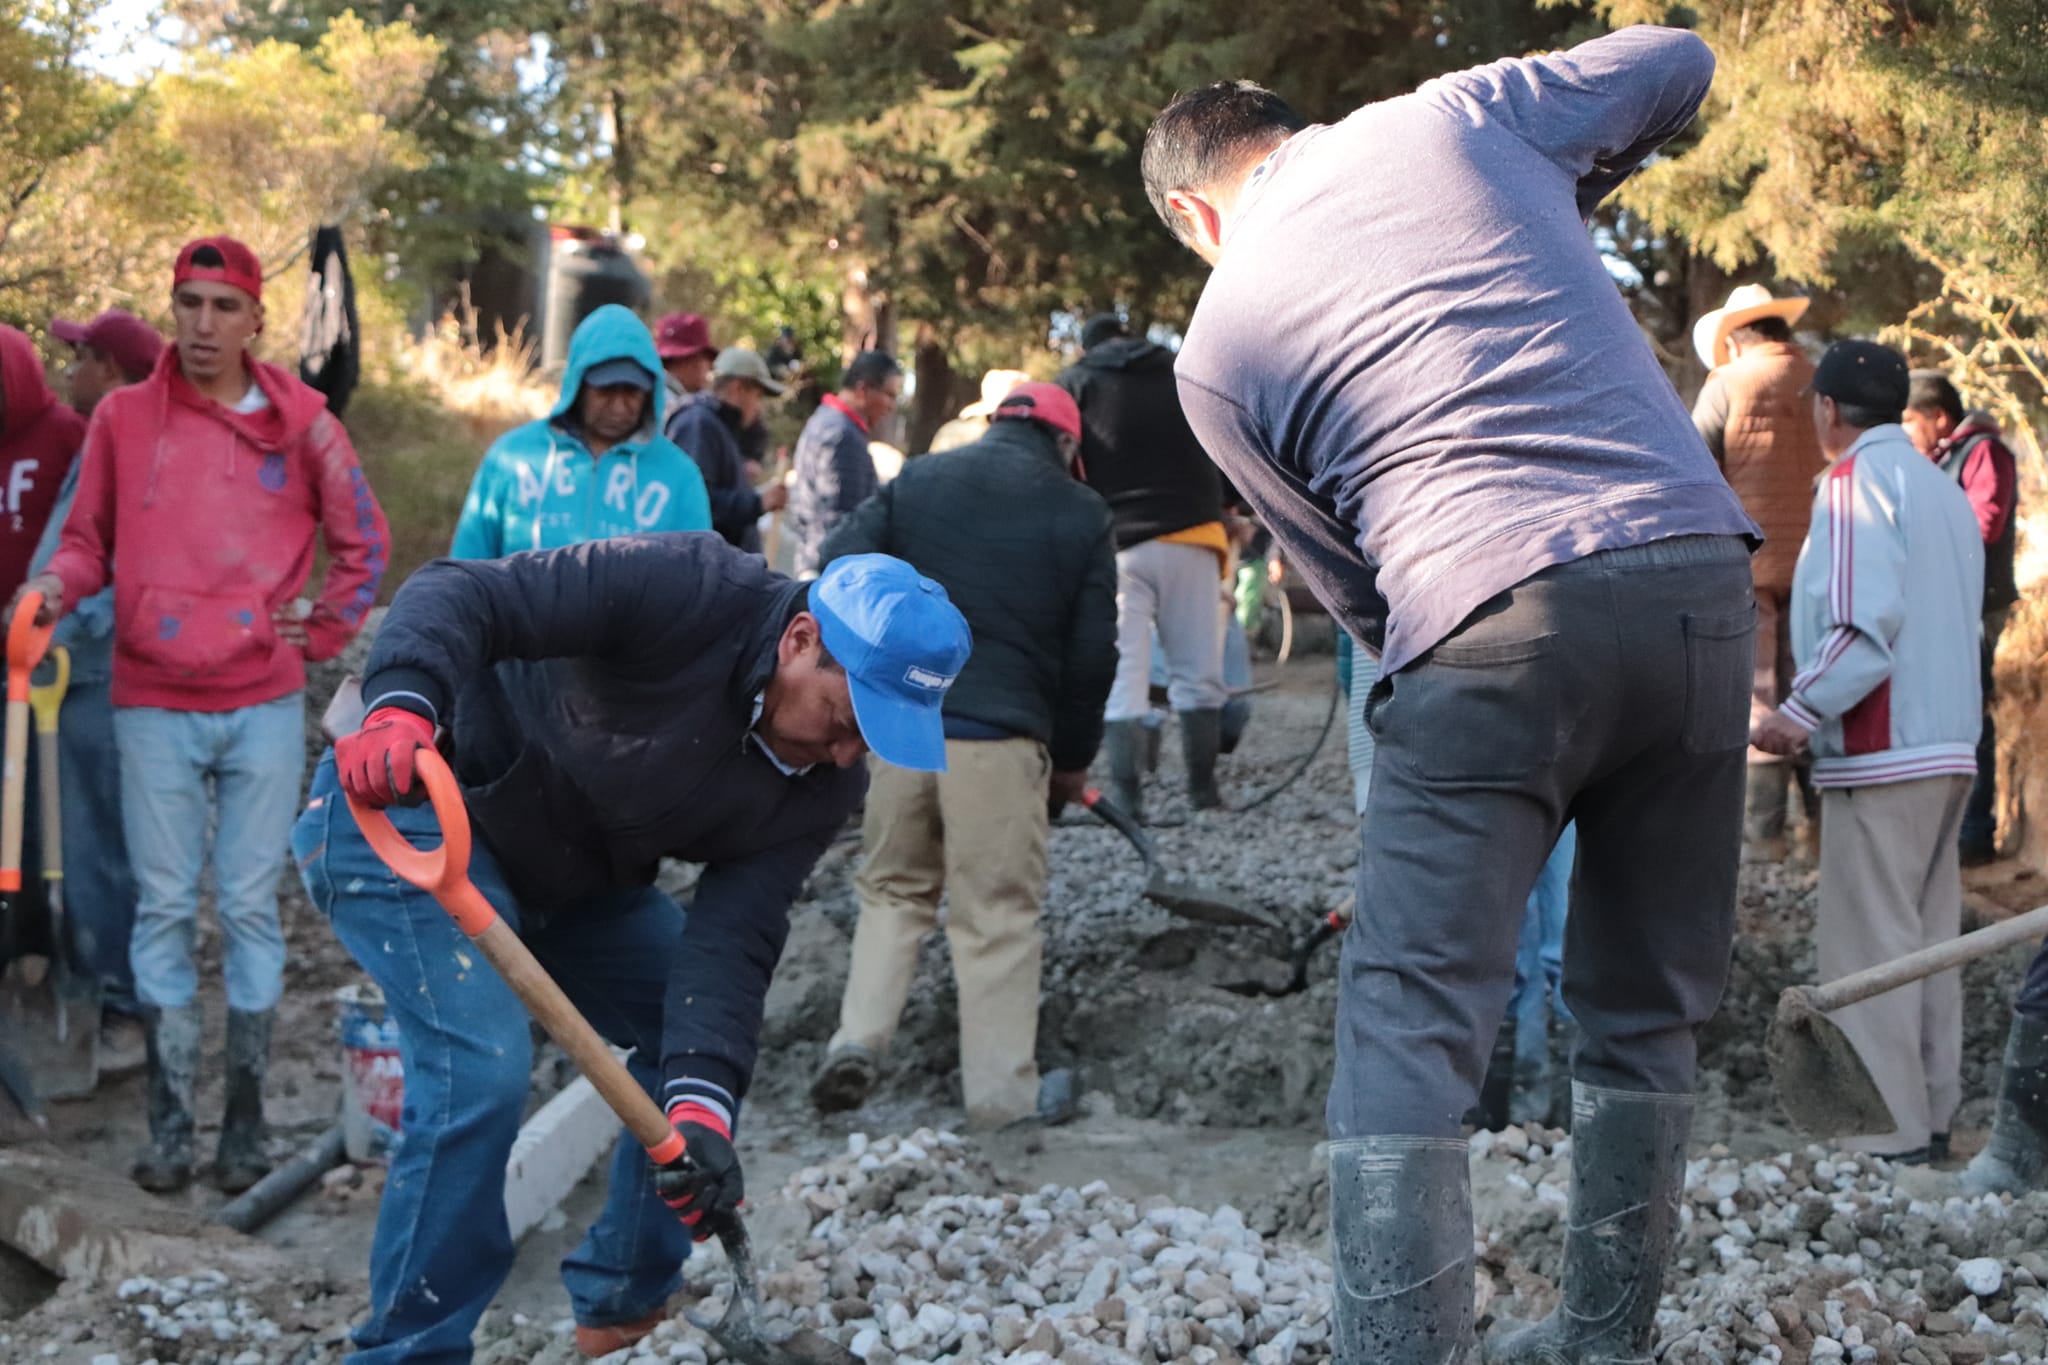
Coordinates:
[706,1178]
[376,762]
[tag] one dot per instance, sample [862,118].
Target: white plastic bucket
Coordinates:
[372,1075]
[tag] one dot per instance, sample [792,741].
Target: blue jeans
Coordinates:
[99,887]
[442,1246]
[181,773]
[1539,956]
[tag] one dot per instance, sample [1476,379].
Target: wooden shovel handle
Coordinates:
[1886,976]
[444,873]
[26,642]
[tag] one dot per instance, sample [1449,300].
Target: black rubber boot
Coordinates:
[239,1162]
[1628,1169]
[1494,1091]
[1123,746]
[2015,1158]
[1401,1246]
[172,1043]
[1201,739]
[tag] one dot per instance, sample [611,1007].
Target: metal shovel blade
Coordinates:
[1203,904]
[738,1329]
[1821,1081]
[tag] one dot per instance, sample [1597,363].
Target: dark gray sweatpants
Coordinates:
[1614,691]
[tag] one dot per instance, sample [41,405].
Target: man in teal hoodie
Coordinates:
[597,466]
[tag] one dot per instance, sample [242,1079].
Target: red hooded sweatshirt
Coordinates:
[211,515]
[39,438]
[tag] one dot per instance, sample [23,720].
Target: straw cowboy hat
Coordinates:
[995,387]
[1746,305]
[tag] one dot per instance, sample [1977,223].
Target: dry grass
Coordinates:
[490,390]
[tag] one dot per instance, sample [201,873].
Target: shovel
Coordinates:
[1188,900]
[444,873]
[71,1069]
[1821,1082]
[26,980]
[1328,926]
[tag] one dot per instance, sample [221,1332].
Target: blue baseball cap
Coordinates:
[902,642]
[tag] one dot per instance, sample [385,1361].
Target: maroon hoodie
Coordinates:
[214,516]
[39,438]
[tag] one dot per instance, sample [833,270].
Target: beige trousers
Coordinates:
[1890,885]
[978,832]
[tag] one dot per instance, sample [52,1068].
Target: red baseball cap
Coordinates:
[1048,403]
[682,335]
[237,265]
[119,335]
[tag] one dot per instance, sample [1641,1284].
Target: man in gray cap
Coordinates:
[708,425]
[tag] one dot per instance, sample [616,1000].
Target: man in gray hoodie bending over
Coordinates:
[1437,401]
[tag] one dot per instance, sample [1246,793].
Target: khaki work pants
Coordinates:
[978,832]
[1890,885]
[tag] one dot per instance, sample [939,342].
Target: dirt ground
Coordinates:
[1196,1095]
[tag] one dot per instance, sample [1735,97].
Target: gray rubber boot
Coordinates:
[1401,1246]
[1123,745]
[1628,1170]
[172,1043]
[240,1162]
[1201,739]
[1764,808]
[2015,1158]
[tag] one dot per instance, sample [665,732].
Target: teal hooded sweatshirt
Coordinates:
[538,487]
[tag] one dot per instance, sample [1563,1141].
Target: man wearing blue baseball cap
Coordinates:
[604,706]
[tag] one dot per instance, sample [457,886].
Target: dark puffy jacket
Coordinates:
[600,699]
[703,427]
[1025,553]
[834,474]
[1136,448]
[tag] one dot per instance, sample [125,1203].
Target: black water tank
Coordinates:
[586,269]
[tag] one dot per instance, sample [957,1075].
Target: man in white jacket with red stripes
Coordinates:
[1885,622]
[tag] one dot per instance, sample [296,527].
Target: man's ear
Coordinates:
[799,638]
[1201,222]
[259,317]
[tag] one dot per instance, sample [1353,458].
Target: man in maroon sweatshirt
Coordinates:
[211,482]
[39,437]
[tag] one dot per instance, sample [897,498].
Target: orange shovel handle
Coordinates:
[444,874]
[26,644]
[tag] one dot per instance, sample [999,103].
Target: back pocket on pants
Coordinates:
[1719,668]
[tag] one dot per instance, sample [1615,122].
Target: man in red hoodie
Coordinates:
[39,437]
[211,482]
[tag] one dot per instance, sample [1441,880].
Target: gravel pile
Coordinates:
[1082,1277]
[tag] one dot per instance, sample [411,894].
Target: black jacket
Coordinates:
[1137,449]
[600,699]
[702,425]
[1025,553]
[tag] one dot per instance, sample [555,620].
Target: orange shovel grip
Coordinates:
[26,643]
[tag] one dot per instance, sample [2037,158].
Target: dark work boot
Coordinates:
[1123,745]
[1628,1168]
[1763,813]
[1401,1246]
[1492,1110]
[240,1162]
[1201,739]
[172,1042]
[2015,1158]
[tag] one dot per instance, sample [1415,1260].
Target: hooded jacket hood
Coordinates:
[24,389]
[1128,353]
[294,404]
[613,332]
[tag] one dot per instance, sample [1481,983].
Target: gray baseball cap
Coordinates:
[737,362]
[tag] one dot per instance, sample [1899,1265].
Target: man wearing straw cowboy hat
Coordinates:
[973,422]
[1754,415]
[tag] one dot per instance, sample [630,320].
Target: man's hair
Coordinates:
[1931,391]
[872,368]
[1209,134]
[209,258]
[1863,418]
[1762,329]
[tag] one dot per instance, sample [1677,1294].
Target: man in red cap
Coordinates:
[1026,553]
[112,351]
[213,482]
[115,349]
[683,341]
